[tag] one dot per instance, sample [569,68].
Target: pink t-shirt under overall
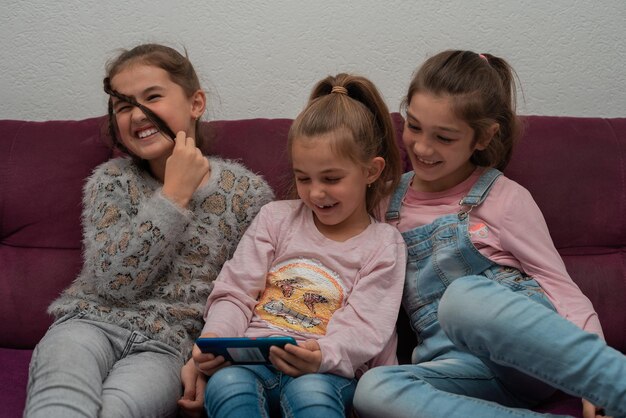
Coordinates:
[509,229]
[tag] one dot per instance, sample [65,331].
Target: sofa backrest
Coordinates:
[261,144]
[575,168]
[42,169]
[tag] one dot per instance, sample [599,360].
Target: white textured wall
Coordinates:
[261,58]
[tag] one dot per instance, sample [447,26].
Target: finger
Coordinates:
[210,368]
[191,409]
[284,366]
[189,392]
[181,139]
[589,409]
[284,355]
[200,387]
[311,344]
[191,142]
[188,377]
[211,364]
[300,353]
[302,365]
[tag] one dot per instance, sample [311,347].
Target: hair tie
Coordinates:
[483,57]
[339,89]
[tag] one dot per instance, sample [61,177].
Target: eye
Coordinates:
[413,127]
[302,179]
[444,139]
[153,97]
[124,107]
[332,180]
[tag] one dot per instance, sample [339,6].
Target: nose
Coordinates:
[317,191]
[420,145]
[137,115]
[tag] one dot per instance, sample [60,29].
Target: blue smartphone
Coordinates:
[242,350]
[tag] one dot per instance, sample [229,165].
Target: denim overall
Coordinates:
[441,252]
[490,343]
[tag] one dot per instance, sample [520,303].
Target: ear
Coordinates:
[484,142]
[198,104]
[374,169]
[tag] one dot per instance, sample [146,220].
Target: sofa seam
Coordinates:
[9,169]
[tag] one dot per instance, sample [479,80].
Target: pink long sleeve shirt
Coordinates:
[509,229]
[286,278]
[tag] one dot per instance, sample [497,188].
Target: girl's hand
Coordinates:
[592,411]
[184,170]
[207,363]
[296,360]
[191,404]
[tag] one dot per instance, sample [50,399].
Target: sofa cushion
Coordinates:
[44,165]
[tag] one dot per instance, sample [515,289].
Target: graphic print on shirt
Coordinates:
[300,295]
[479,230]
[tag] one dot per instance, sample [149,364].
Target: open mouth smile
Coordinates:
[144,133]
[427,162]
[323,207]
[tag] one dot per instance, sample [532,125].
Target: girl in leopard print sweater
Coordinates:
[157,228]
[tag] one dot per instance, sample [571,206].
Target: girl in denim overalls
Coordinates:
[485,289]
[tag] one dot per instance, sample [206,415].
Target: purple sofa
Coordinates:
[574,167]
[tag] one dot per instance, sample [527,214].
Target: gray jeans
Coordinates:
[87,368]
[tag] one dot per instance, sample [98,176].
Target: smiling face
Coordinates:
[152,87]
[439,144]
[333,187]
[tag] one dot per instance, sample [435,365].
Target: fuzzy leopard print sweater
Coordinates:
[150,265]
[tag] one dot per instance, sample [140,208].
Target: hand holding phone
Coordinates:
[242,350]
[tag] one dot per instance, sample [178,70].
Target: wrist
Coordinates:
[177,199]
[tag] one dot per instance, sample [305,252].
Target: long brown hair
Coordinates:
[357,113]
[483,92]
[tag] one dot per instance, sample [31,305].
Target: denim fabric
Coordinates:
[87,368]
[259,391]
[489,341]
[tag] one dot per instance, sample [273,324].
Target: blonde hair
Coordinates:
[351,107]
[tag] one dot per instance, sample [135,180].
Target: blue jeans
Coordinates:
[512,351]
[86,368]
[260,391]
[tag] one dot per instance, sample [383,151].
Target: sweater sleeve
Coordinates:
[127,237]
[360,330]
[526,236]
[230,305]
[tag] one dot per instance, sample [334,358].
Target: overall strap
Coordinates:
[480,190]
[393,210]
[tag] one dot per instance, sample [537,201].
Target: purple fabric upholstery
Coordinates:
[575,168]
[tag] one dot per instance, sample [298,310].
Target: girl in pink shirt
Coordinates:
[500,325]
[320,269]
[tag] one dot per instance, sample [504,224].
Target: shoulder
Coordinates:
[507,189]
[381,245]
[511,203]
[116,167]
[381,241]
[233,176]
[282,210]
[113,174]
[386,233]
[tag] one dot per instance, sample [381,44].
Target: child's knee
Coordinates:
[226,377]
[463,304]
[370,387]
